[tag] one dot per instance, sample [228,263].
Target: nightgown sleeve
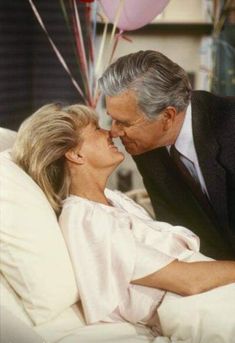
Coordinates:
[102,251]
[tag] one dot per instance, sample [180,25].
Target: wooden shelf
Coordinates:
[169,28]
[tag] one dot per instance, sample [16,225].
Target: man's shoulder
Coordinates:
[214,119]
[214,107]
[211,98]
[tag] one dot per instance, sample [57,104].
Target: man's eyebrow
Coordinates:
[124,122]
[120,121]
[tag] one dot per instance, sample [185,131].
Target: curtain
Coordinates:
[30,73]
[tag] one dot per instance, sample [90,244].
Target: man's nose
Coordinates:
[116,130]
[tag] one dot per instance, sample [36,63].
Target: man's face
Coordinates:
[137,132]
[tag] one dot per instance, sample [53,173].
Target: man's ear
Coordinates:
[74,157]
[168,117]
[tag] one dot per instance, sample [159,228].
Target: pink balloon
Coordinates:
[135,13]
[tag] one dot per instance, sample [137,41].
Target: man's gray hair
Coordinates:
[157,81]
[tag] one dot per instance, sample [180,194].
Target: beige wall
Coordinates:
[192,11]
[182,49]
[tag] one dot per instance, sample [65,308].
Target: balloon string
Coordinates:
[101,50]
[78,52]
[89,29]
[116,19]
[83,53]
[117,38]
[99,67]
[88,17]
[71,36]
[58,54]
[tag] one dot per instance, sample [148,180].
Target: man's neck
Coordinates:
[176,130]
[184,142]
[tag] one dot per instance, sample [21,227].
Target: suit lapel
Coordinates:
[158,170]
[175,180]
[208,156]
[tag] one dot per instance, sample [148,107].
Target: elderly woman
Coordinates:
[124,261]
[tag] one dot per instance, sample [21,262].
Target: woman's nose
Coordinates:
[116,130]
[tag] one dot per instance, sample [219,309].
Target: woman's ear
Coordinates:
[74,157]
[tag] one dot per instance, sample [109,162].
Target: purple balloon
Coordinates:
[135,13]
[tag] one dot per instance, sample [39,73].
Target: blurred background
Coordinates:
[54,51]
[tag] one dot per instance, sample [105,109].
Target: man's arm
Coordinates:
[186,278]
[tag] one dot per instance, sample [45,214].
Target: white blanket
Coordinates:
[204,318]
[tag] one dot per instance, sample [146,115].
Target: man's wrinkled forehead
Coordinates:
[124,106]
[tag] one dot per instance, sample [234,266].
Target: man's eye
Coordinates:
[123,124]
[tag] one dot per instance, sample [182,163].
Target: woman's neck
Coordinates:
[90,187]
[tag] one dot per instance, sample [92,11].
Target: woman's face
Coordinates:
[98,149]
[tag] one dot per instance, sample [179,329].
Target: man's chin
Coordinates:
[132,151]
[132,148]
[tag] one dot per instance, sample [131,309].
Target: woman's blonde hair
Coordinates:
[41,144]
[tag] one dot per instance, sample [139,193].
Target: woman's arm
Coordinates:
[188,278]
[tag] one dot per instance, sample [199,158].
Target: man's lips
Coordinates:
[125,142]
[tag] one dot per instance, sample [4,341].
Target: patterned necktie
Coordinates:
[187,169]
[190,177]
[193,183]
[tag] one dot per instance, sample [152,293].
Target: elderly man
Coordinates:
[182,141]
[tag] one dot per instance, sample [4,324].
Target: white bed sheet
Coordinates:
[107,333]
[69,327]
[208,317]
[204,318]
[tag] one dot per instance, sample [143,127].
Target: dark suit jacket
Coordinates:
[213,122]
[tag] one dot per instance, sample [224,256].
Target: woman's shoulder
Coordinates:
[128,205]
[77,206]
[75,200]
[82,215]
[80,209]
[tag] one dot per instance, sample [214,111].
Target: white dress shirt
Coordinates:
[185,145]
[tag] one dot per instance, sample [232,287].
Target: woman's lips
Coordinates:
[111,145]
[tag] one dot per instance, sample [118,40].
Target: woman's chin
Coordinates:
[122,157]
[119,159]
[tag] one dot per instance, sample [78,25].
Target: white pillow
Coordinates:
[13,330]
[34,258]
[11,302]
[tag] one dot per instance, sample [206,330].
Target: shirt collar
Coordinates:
[184,142]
